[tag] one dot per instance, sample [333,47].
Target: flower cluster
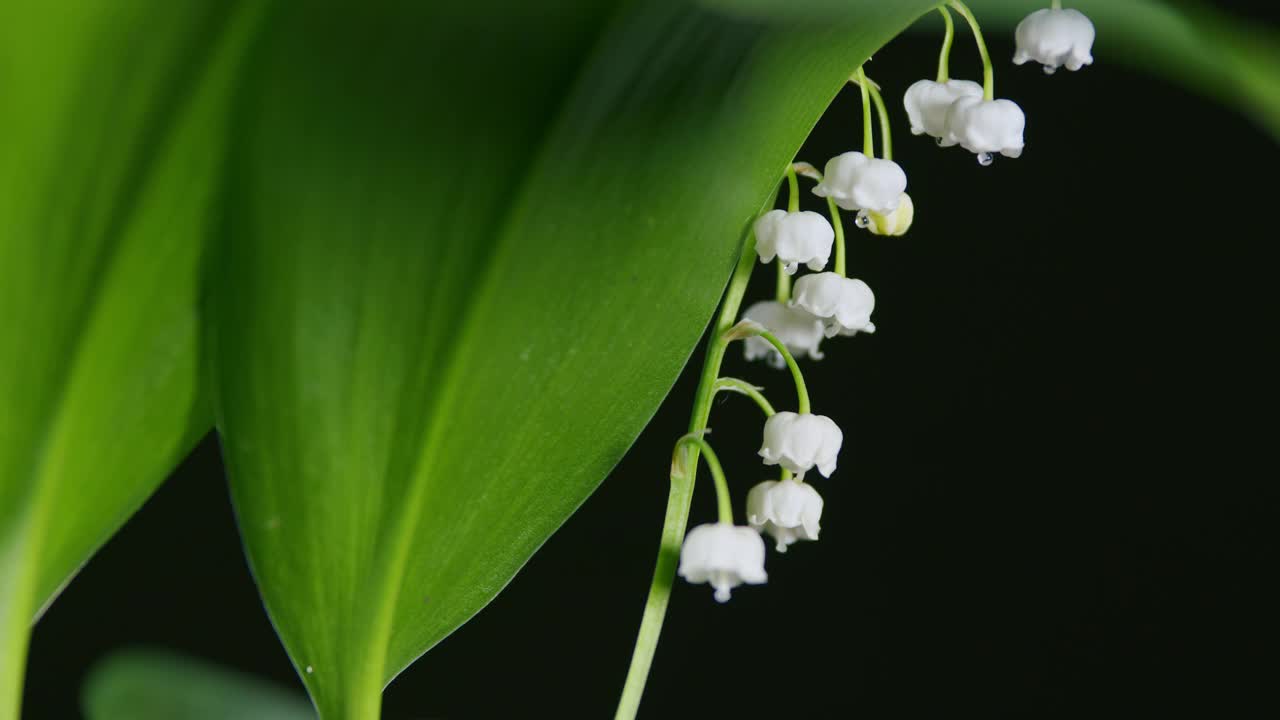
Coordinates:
[825,304]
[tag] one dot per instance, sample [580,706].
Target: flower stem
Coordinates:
[1056,4]
[949,36]
[886,139]
[728,384]
[801,391]
[868,146]
[681,494]
[793,189]
[724,503]
[839,268]
[783,292]
[988,73]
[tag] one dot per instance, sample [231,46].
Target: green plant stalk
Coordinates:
[988,73]
[839,267]
[868,143]
[886,140]
[680,496]
[783,292]
[802,392]
[728,384]
[724,502]
[948,37]
[734,385]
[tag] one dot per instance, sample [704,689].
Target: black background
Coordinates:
[1056,498]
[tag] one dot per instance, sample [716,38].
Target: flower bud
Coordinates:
[895,223]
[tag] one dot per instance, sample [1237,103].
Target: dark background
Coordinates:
[1057,495]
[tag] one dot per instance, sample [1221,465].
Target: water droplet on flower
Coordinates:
[862,220]
[985,159]
[1050,69]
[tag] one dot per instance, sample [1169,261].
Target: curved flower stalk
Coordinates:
[859,181]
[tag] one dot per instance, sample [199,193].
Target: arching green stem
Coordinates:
[724,502]
[868,145]
[988,74]
[783,292]
[1056,4]
[948,37]
[680,495]
[727,384]
[734,385]
[886,137]
[839,268]
[802,392]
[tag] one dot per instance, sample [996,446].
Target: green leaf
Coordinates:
[469,258]
[1204,49]
[158,685]
[113,128]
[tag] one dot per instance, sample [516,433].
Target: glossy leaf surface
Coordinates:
[111,158]
[470,254]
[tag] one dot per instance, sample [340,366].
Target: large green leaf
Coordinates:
[158,685]
[470,254]
[1189,42]
[113,123]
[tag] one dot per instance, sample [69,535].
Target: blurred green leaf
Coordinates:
[1191,43]
[469,258]
[113,125]
[159,685]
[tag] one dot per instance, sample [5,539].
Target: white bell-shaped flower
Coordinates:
[796,328]
[724,555]
[986,127]
[857,182]
[1055,37]
[799,238]
[799,442]
[927,103]
[843,304]
[895,223]
[788,510]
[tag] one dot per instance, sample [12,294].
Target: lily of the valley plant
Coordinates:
[822,305]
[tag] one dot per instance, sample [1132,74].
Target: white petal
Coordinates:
[1055,37]
[987,126]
